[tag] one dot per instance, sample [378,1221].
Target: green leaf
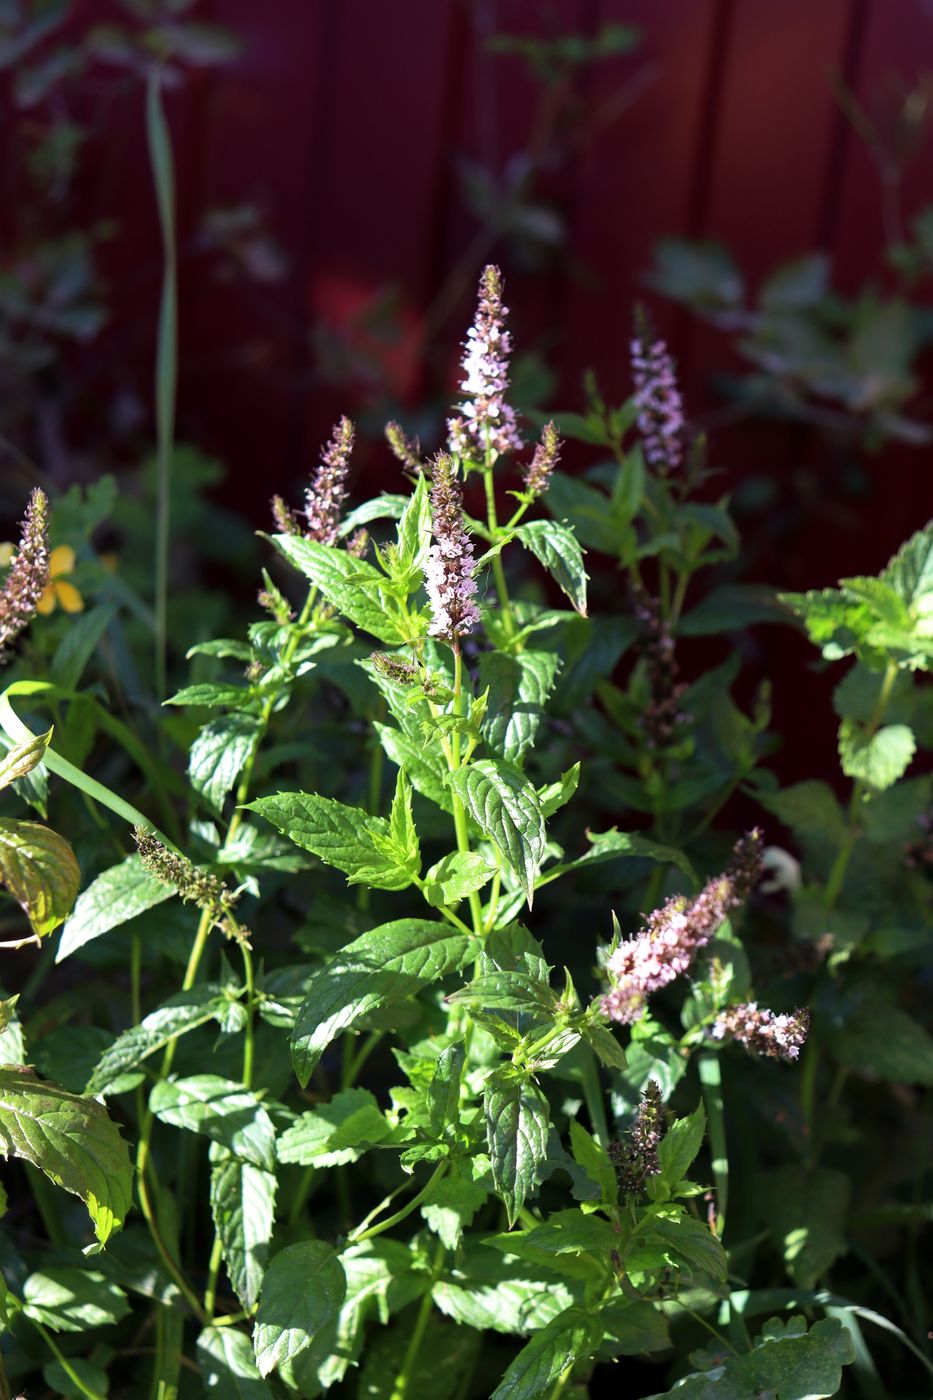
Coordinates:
[414,535]
[810,810]
[556,795]
[302,1292]
[336,1132]
[181,1013]
[403,838]
[218,754]
[571,1336]
[23,758]
[517,1119]
[91,1377]
[221,1109]
[513,1304]
[877,759]
[348,838]
[507,810]
[604,1044]
[506,991]
[594,1160]
[634,1328]
[556,547]
[807,1214]
[73,1300]
[731,608]
[423,762]
[442,1098]
[608,845]
[692,1245]
[680,1145]
[910,574]
[450,1208]
[211,696]
[243,1207]
[351,585]
[389,964]
[228,1368]
[786,1361]
[884,1040]
[519,686]
[72,1140]
[117,895]
[455,877]
[39,869]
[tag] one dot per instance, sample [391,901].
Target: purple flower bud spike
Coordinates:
[486,422]
[448,573]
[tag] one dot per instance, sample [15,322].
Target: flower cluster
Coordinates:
[636,1158]
[286,521]
[675,933]
[29,573]
[327,492]
[761,1031]
[394,668]
[660,408]
[448,573]
[199,886]
[662,715]
[538,473]
[486,422]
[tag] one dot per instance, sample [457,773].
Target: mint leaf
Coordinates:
[680,1145]
[243,1208]
[517,1119]
[218,755]
[807,1214]
[346,837]
[72,1300]
[450,1208]
[519,686]
[39,869]
[507,810]
[571,1336]
[335,1132]
[786,1361]
[558,549]
[183,1012]
[877,759]
[351,585]
[227,1365]
[387,965]
[117,895]
[72,1140]
[594,1160]
[223,1110]
[455,877]
[302,1292]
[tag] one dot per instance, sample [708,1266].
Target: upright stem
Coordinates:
[711,1080]
[492,521]
[402,1387]
[460,821]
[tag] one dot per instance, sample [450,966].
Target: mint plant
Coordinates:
[431,1086]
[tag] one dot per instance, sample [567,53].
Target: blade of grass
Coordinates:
[166,369]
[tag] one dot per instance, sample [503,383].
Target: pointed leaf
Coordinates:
[517,1119]
[117,895]
[302,1292]
[507,810]
[39,869]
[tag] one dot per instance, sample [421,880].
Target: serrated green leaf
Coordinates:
[517,1120]
[39,869]
[73,1300]
[692,1245]
[181,1013]
[423,762]
[557,548]
[72,1140]
[442,1098]
[506,808]
[23,758]
[302,1293]
[117,895]
[450,1208]
[218,755]
[385,966]
[506,991]
[212,696]
[571,1336]
[243,1207]
[556,795]
[594,1160]
[346,837]
[458,875]
[884,1040]
[516,1305]
[227,1365]
[680,1145]
[877,759]
[608,845]
[786,1361]
[351,585]
[519,686]
[810,810]
[221,1109]
[604,1044]
[336,1132]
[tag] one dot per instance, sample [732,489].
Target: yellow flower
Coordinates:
[59,590]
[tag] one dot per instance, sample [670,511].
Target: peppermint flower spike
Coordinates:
[286,522]
[539,471]
[486,426]
[661,419]
[404,449]
[29,572]
[327,492]
[675,933]
[762,1032]
[448,573]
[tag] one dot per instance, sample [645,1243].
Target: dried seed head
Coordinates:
[209,893]
[29,572]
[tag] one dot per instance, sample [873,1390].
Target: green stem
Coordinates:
[356,1236]
[492,521]
[711,1080]
[593,1095]
[82,1387]
[213,1273]
[166,373]
[401,1389]
[561,1382]
[460,820]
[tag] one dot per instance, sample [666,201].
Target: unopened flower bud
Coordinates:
[405,449]
[546,456]
[394,668]
[448,573]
